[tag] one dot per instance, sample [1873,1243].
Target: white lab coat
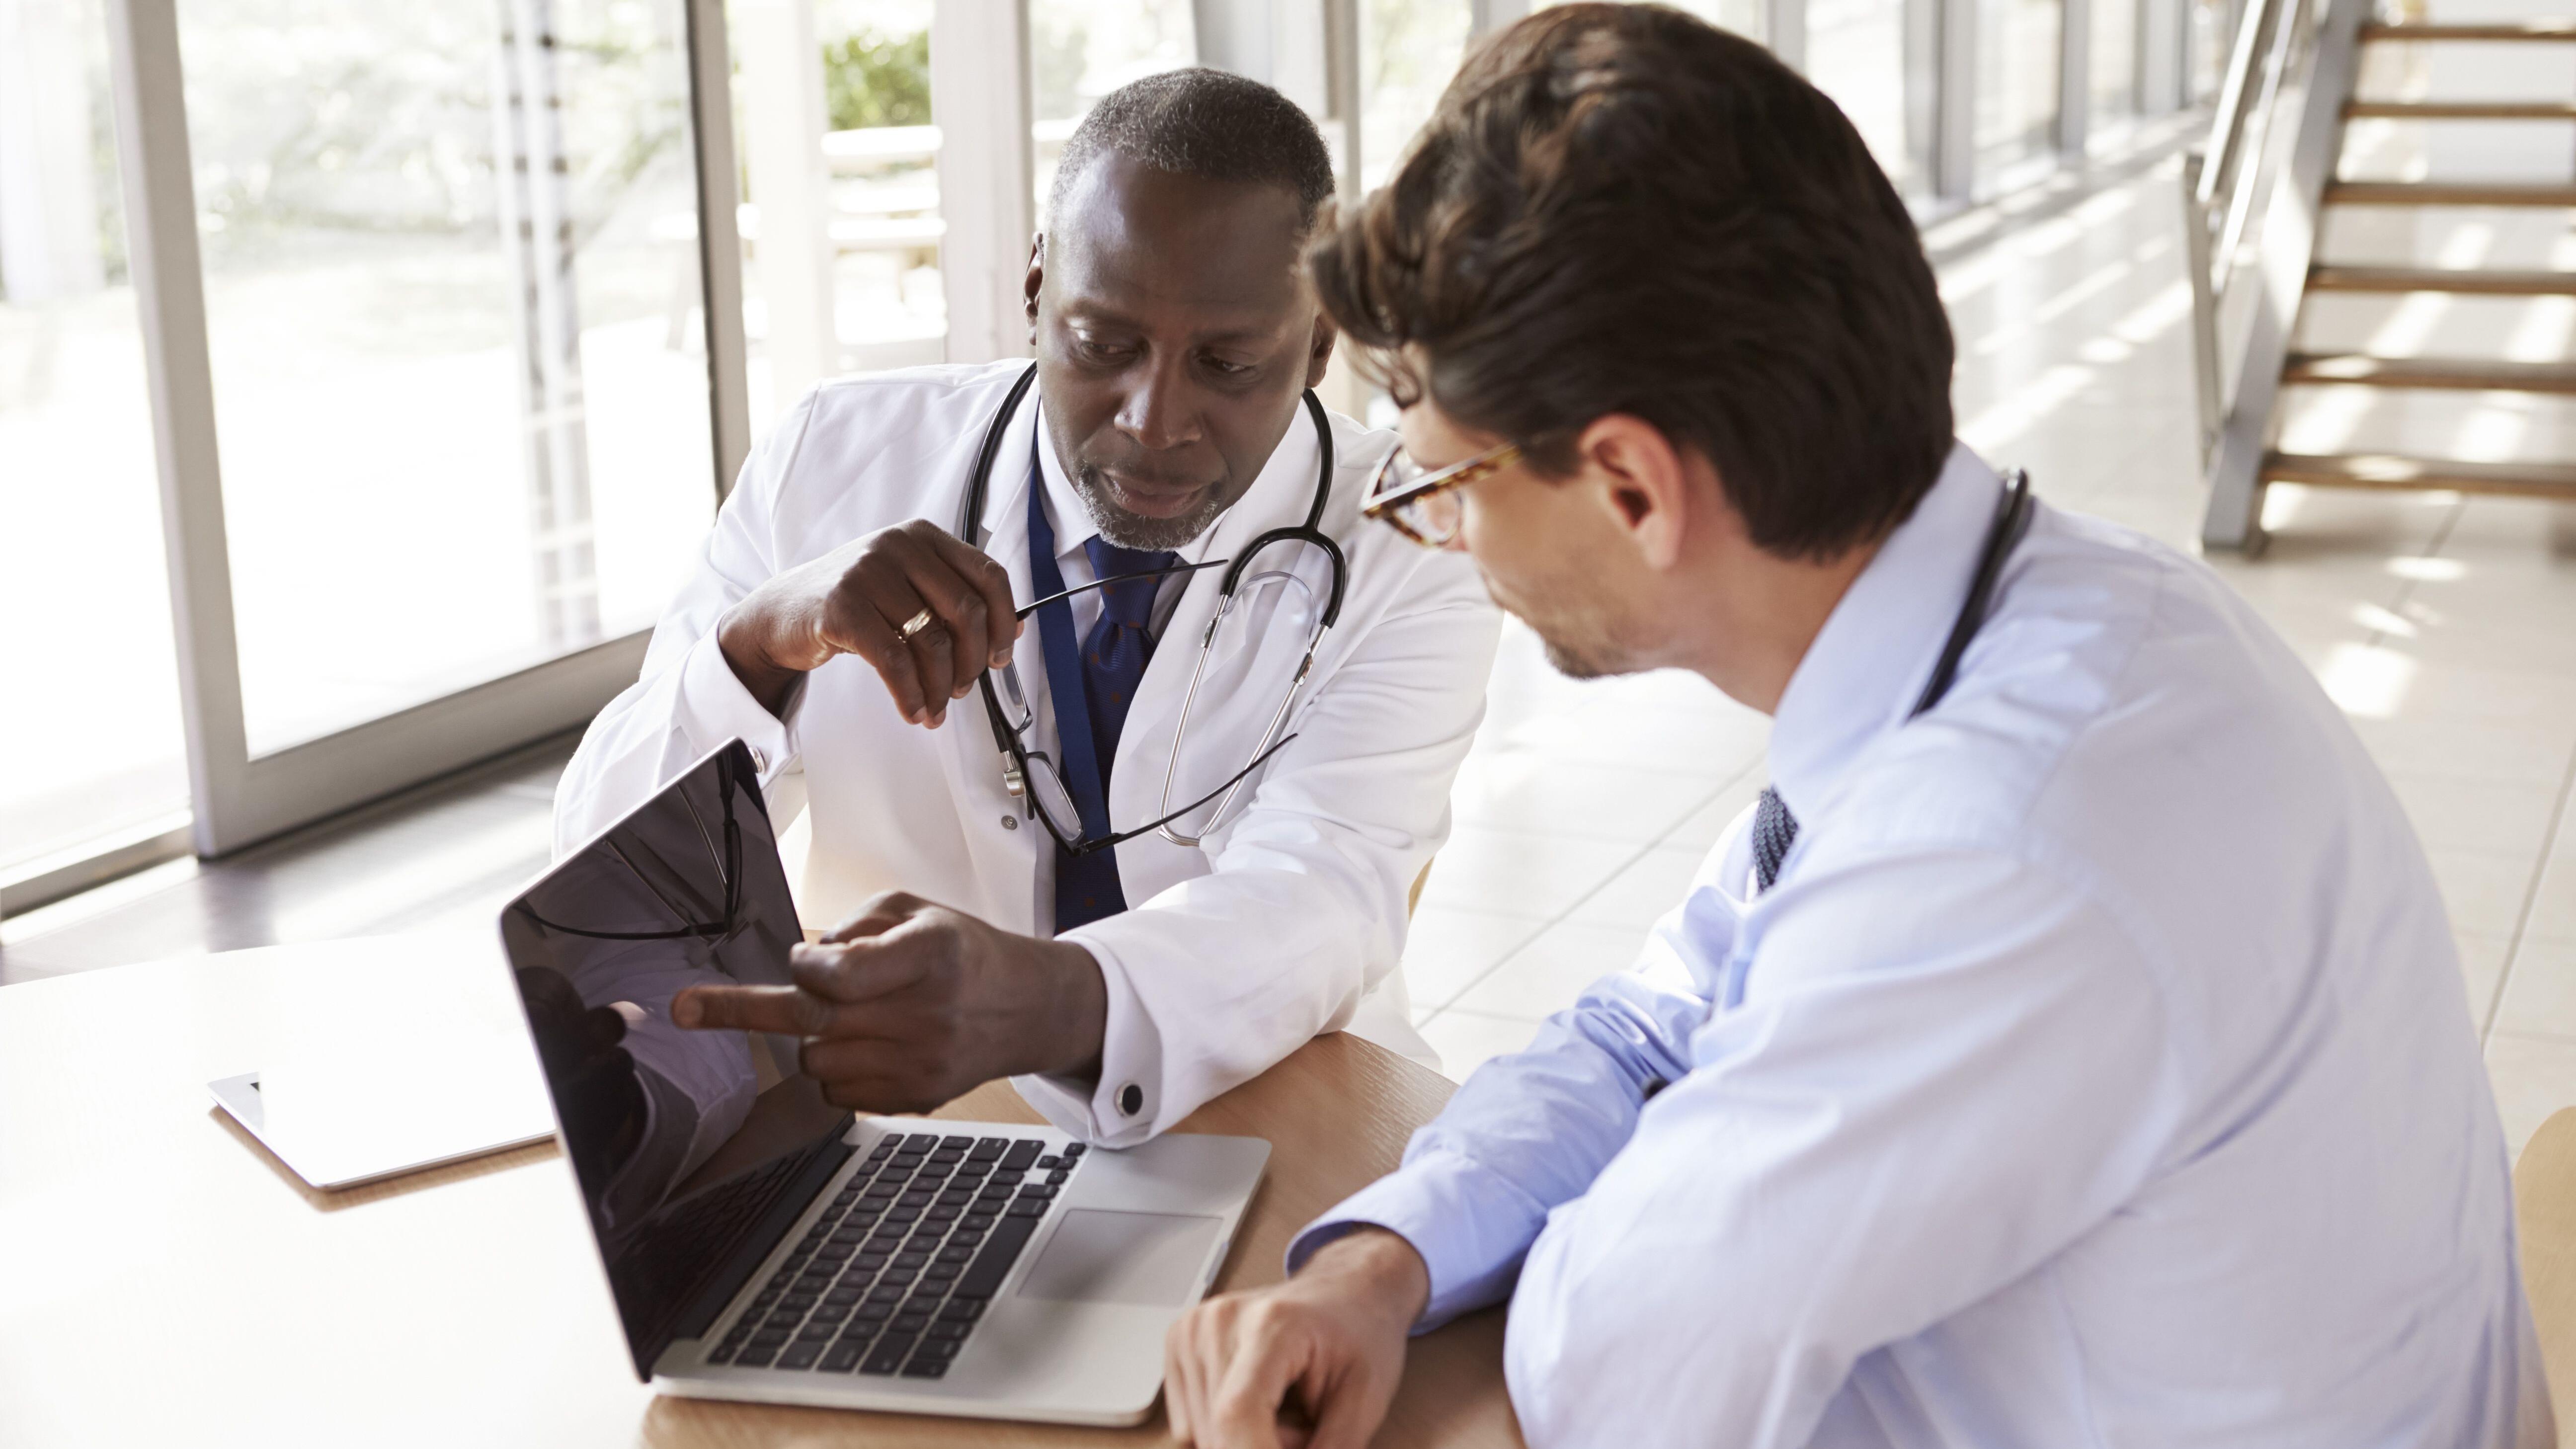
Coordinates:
[1287,922]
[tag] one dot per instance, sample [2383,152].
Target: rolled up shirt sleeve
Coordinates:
[1529,1132]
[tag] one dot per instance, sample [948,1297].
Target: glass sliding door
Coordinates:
[92,730]
[448,259]
[427,318]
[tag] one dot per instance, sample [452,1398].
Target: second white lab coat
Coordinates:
[1287,922]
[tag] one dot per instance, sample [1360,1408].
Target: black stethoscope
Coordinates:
[1017,758]
[2012,520]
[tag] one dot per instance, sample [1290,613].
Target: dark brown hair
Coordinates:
[1623,209]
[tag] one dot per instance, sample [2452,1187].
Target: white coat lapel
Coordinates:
[973,762]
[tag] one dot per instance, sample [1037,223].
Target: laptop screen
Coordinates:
[695,1149]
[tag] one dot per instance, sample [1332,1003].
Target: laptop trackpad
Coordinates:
[1099,1256]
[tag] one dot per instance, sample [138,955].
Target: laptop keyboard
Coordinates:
[897,1269]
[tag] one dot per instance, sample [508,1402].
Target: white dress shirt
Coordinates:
[2095,1073]
[1288,920]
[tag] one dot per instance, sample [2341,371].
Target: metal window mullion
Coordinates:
[719,239]
[979,96]
[1784,31]
[2074,77]
[170,302]
[1954,99]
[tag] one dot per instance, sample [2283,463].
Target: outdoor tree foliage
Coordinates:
[877,80]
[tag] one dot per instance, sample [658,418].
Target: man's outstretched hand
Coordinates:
[1311,1363]
[856,600]
[908,1005]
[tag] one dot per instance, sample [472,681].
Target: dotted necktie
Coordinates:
[1774,831]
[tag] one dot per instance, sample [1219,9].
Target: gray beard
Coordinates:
[1131,530]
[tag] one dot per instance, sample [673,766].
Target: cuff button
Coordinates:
[1131,1099]
[760,760]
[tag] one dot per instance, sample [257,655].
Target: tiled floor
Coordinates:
[2446,627]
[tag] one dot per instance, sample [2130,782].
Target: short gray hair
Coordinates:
[1204,123]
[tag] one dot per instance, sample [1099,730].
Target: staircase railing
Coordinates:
[2251,199]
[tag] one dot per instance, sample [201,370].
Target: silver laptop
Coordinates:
[762,1244]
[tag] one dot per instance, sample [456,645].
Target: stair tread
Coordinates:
[2465,110]
[2479,374]
[2451,193]
[2397,470]
[2477,30]
[2334,277]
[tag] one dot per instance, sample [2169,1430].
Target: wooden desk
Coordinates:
[163,1280]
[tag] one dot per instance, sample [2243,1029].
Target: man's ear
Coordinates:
[1035,283]
[1641,480]
[1319,349]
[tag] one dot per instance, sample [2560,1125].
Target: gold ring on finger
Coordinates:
[914,625]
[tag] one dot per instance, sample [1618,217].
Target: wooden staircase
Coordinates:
[2298,368]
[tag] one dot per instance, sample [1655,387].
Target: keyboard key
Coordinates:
[833,1312]
[1007,1177]
[1038,1190]
[926,1368]
[817,1331]
[1057,1177]
[799,1302]
[902,1214]
[1027,1207]
[889,1354]
[898,1275]
[950,1328]
[993,1261]
[843,1357]
[955,1144]
[886,1293]
[954,1253]
[936,1348]
[835,1252]
[942,1213]
[1021,1153]
[799,1355]
[756,1356]
[961,1310]
[974,1222]
[782,1318]
[1076,1149]
[942,1271]
[909,1323]
[987,1148]
[844,1293]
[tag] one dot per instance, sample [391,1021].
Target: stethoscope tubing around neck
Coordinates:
[970,518]
[2012,521]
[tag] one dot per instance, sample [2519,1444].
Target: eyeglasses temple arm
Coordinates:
[1121,838]
[1031,608]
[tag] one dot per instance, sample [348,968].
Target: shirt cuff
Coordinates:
[1125,1106]
[1471,1225]
[714,708]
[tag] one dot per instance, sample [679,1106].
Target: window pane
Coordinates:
[1081,50]
[452,291]
[92,729]
[1856,54]
[2017,62]
[881,152]
[2114,62]
[1408,51]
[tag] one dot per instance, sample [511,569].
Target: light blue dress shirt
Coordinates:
[2096,1072]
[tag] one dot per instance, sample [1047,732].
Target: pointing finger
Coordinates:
[781,1009]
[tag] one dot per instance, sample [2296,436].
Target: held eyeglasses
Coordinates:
[1271,601]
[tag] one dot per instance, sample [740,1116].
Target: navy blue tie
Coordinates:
[1114,655]
[1774,831]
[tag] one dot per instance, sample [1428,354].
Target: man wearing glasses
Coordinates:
[1136,846]
[2068,1049]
